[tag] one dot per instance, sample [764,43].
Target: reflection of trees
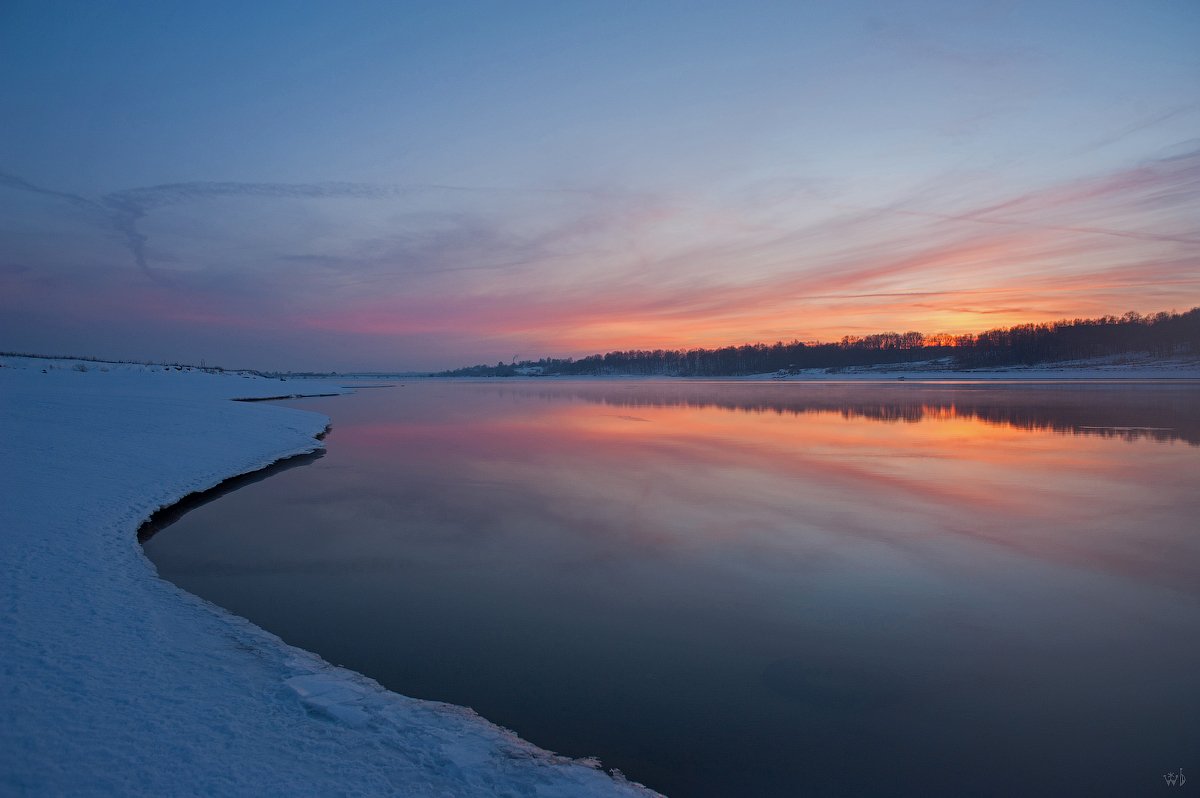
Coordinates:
[1155,412]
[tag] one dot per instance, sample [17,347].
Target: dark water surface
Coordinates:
[753,589]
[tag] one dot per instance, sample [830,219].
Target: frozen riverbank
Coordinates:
[1140,367]
[117,682]
[1116,367]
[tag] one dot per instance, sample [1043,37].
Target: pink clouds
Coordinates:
[578,273]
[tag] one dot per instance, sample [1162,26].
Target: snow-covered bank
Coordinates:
[1120,367]
[1116,367]
[116,682]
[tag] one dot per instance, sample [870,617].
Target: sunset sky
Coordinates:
[401,186]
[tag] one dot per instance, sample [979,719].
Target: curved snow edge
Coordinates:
[338,695]
[117,682]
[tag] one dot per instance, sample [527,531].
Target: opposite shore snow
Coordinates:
[117,682]
[1112,367]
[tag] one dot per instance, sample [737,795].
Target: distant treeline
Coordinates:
[1158,334]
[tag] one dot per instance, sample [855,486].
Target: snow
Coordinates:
[1113,367]
[1116,367]
[113,681]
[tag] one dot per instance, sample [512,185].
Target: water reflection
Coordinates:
[1119,410]
[752,589]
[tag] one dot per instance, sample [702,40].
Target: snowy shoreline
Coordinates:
[163,517]
[116,681]
[1114,367]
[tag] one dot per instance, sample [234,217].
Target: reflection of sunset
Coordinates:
[895,466]
[925,459]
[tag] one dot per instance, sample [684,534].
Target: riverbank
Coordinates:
[117,682]
[1115,367]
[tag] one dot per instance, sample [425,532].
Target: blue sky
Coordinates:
[420,185]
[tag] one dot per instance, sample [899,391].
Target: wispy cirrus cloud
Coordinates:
[979,266]
[123,210]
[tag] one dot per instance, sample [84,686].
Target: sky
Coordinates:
[414,186]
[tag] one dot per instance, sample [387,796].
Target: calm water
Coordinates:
[753,589]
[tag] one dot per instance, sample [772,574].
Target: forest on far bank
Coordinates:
[1158,335]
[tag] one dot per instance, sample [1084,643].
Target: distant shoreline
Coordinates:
[1107,368]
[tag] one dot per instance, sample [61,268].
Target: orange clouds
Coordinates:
[1098,246]
[545,273]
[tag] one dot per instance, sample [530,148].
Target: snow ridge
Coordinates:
[113,681]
